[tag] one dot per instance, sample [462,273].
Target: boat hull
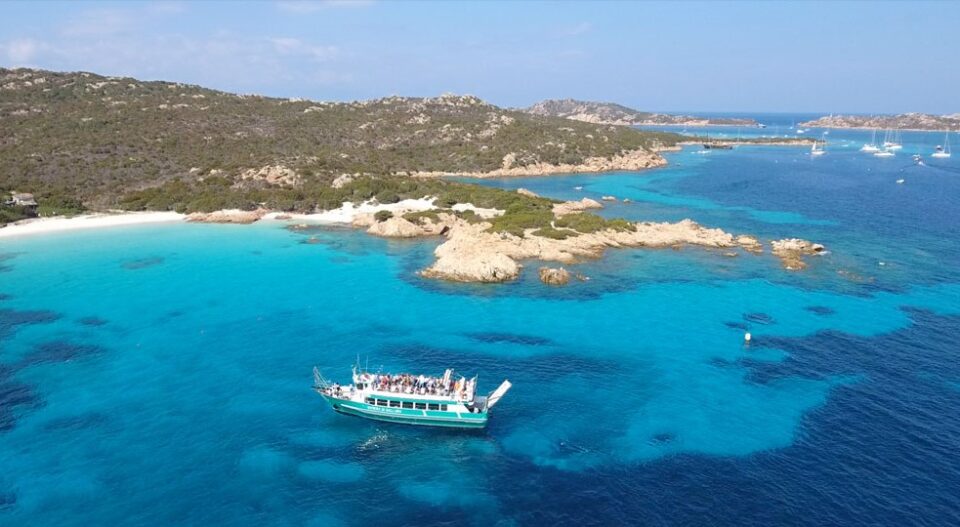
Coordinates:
[408,417]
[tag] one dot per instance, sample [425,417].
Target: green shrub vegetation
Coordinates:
[586,223]
[382,215]
[98,138]
[83,141]
[415,217]
[556,234]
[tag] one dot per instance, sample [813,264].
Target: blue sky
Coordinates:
[746,56]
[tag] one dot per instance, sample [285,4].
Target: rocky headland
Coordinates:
[905,121]
[619,115]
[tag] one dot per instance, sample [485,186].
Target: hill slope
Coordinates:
[616,114]
[97,138]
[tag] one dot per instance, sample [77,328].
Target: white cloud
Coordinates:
[294,46]
[100,22]
[21,52]
[167,7]
[306,6]
[579,29]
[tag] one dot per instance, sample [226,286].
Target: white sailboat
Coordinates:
[886,152]
[818,146]
[892,141]
[942,152]
[871,147]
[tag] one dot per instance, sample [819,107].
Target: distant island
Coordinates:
[619,115]
[904,121]
[77,142]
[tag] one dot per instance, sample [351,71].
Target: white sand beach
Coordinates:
[86,221]
[348,211]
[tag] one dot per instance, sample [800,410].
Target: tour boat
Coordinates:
[871,147]
[445,401]
[818,147]
[943,151]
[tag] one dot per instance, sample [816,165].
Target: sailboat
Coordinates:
[942,152]
[818,146]
[886,152]
[892,140]
[871,147]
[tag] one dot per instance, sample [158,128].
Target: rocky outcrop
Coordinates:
[554,276]
[228,216]
[792,250]
[473,254]
[750,243]
[528,193]
[273,174]
[342,180]
[608,198]
[573,207]
[461,261]
[395,227]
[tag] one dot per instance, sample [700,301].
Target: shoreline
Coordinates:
[49,225]
[749,143]
[927,130]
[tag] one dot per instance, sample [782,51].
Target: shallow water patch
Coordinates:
[92,321]
[143,263]
[820,310]
[58,351]
[510,338]
[759,318]
[11,318]
[76,422]
[15,397]
[6,257]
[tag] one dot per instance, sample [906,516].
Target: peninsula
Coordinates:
[82,142]
[619,115]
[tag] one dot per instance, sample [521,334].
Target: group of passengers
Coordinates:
[419,384]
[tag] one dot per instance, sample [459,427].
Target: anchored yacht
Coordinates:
[871,147]
[445,401]
[943,151]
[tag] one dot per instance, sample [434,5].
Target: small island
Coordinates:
[905,121]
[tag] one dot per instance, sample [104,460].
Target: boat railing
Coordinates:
[319,383]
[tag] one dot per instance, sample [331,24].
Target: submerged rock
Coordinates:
[609,198]
[750,243]
[554,276]
[792,250]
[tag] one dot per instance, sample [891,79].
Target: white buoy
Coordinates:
[747,337]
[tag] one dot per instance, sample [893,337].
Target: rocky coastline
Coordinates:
[633,160]
[471,252]
[919,122]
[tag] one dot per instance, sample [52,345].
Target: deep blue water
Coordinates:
[160,375]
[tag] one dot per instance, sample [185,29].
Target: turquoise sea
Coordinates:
[161,375]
